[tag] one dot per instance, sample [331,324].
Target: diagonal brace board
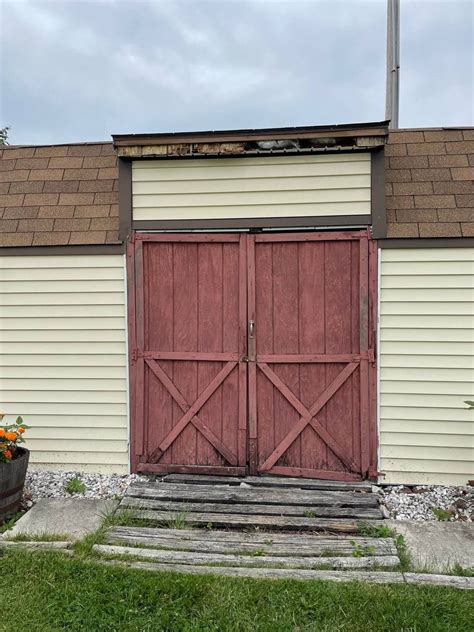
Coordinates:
[308,416]
[190,415]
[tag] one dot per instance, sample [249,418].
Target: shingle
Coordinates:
[76,198]
[32,163]
[104,223]
[409,162]
[34,225]
[56,211]
[453,160]
[456,214]
[41,199]
[12,199]
[65,163]
[405,136]
[84,150]
[439,229]
[435,201]
[61,186]
[14,176]
[420,175]
[80,174]
[20,212]
[101,162]
[96,186]
[26,187]
[8,225]
[51,151]
[51,239]
[462,173]
[467,229]
[92,210]
[417,215]
[11,153]
[442,135]
[46,174]
[412,188]
[403,230]
[15,239]
[398,175]
[426,149]
[72,224]
[89,237]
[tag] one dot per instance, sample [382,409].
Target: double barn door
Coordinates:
[252,354]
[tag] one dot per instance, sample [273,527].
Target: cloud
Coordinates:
[83,70]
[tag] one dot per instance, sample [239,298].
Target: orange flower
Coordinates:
[2,432]
[21,430]
[7,454]
[10,436]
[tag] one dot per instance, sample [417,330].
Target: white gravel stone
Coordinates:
[51,484]
[421,502]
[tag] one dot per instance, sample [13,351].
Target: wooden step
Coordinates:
[376,577]
[224,494]
[361,513]
[211,541]
[371,577]
[238,521]
[260,561]
[269,481]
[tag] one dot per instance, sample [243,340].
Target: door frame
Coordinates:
[247,366]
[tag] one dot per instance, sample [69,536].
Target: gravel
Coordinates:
[49,484]
[428,502]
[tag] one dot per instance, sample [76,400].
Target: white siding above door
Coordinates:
[427,365]
[63,363]
[271,186]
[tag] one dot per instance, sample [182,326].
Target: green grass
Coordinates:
[40,537]
[368,530]
[53,593]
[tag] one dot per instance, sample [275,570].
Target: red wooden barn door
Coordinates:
[189,384]
[309,354]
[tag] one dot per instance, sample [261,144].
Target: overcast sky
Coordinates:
[75,71]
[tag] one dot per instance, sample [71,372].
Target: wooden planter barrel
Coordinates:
[12,480]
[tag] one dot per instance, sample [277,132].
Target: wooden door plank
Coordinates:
[242,347]
[364,343]
[307,416]
[189,416]
[252,370]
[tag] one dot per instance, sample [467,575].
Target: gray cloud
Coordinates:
[84,70]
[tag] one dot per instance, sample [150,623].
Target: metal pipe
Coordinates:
[393,64]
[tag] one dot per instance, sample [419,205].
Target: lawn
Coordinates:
[50,592]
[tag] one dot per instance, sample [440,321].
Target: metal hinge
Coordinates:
[244,358]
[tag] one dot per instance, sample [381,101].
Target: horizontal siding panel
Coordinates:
[79,445]
[394,477]
[63,298]
[253,199]
[440,466]
[461,389]
[162,186]
[413,400]
[76,422]
[426,440]
[427,348]
[409,335]
[405,255]
[62,323]
[329,209]
[62,274]
[81,287]
[427,365]
[96,374]
[427,308]
[428,412]
[63,335]
[433,427]
[418,295]
[429,361]
[426,268]
[63,312]
[15,407]
[69,348]
[63,358]
[413,375]
[77,460]
[299,186]
[428,281]
[438,321]
[83,433]
[62,262]
[67,397]
[43,383]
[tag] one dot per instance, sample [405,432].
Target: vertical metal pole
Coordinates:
[393,63]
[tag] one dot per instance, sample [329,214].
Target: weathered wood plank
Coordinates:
[268,481]
[261,561]
[202,536]
[334,511]
[452,581]
[210,493]
[268,573]
[35,544]
[296,548]
[237,521]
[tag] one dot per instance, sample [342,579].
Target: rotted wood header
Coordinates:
[285,140]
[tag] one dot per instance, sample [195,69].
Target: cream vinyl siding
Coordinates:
[281,186]
[427,365]
[63,360]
